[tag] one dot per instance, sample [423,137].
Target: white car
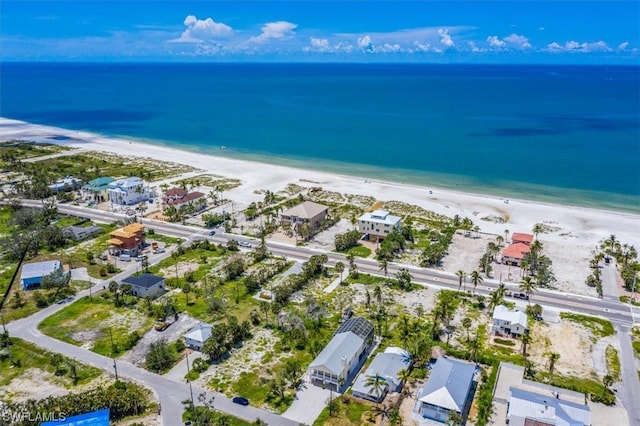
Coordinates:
[244,244]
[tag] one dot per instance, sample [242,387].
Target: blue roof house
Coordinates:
[97,189]
[387,366]
[450,387]
[145,285]
[33,273]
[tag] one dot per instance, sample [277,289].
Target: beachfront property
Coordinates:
[182,199]
[343,356]
[32,274]
[521,402]
[515,252]
[145,285]
[79,233]
[450,387]
[128,191]
[378,224]
[307,212]
[97,190]
[127,240]
[509,323]
[67,184]
[196,337]
[387,365]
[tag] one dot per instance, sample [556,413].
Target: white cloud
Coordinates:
[574,46]
[364,43]
[554,47]
[202,29]
[623,46]
[445,38]
[275,31]
[473,47]
[571,45]
[421,47]
[540,28]
[323,45]
[320,44]
[517,41]
[494,41]
[389,48]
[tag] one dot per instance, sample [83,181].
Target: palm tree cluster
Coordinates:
[225,336]
[310,270]
[537,264]
[123,399]
[627,259]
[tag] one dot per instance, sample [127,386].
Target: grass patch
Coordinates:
[21,150]
[504,342]
[627,299]
[347,411]
[98,323]
[636,347]
[599,326]
[366,279]
[359,251]
[613,362]
[27,356]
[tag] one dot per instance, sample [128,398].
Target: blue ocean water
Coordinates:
[565,134]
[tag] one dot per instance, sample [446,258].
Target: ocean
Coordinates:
[561,134]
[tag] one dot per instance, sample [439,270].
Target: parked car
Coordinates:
[212,232]
[244,244]
[141,258]
[159,250]
[240,400]
[125,257]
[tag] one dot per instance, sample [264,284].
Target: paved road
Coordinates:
[629,392]
[620,314]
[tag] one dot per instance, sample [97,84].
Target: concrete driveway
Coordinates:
[309,402]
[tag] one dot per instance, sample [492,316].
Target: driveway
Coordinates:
[309,402]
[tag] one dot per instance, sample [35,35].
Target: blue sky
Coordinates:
[606,32]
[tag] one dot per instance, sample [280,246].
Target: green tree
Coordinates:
[476,279]
[340,269]
[528,286]
[538,228]
[159,356]
[454,418]
[404,279]
[56,361]
[553,359]
[466,324]
[461,276]
[186,289]
[376,384]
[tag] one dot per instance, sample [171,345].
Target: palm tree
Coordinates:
[528,286]
[553,358]
[607,381]
[526,339]
[454,418]
[537,228]
[461,275]
[384,265]
[499,240]
[377,294]
[506,235]
[340,269]
[467,323]
[376,384]
[476,279]
[495,299]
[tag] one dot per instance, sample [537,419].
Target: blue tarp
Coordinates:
[95,418]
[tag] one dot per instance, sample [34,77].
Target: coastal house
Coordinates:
[181,199]
[378,224]
[145,285]
[196,337]
[127,240]
[387,366]
[522,402]
[128,191]
[343,356]
[307,212]
[510,323]
[79,233]
[32,274]
[515,252]
[67,184]
[97,189]
[450,387]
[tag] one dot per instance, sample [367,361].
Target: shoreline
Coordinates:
[590,223]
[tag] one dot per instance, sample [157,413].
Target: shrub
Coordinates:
[200,365]
[103,272]
[111,268]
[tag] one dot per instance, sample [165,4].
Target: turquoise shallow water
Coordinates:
[562,134]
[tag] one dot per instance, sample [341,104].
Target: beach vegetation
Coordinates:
[613,362]
[14,150]
[600,327]
[344,242]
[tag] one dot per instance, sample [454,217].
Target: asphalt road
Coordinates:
[620,314]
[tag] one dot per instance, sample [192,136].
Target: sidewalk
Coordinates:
[334,284]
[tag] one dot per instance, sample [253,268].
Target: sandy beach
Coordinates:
[575,230]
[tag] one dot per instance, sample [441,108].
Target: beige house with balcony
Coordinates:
[307,212]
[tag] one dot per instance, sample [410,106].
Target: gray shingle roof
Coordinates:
[144,280]
[305,210]
[448,384]
[357,325]
[343,345]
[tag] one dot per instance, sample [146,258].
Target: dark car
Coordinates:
[240,400]
[212,232]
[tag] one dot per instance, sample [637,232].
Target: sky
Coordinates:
[546,32]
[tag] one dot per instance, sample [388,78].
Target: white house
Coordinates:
[378,224]
[145,285]
[343,356]
[131,190]
[68,183]
[196,337]
[512,323]
[387,366]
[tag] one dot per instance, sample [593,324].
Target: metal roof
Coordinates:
[448,384]
[199,333]
[39,269]
[145,280]
[530,405]
[380,216]
[343,347]
[503,313]
[359,326]
[386,365]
